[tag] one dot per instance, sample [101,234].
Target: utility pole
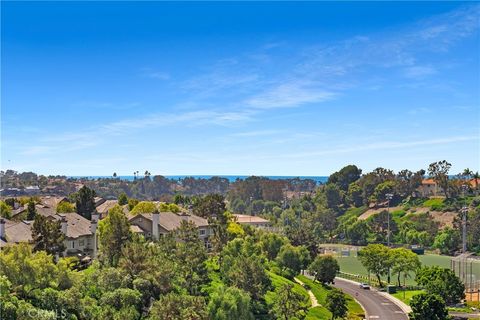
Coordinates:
[389,197]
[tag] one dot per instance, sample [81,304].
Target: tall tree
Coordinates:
[85,202]
[439,172]
[122,199]
[324,269]
[336,303]
[345,176]
[289,304]
[443,282]
[47,235]
[404,262]
[192,255]
[31,209]
[229,303]
[114,233]
[427,306]
[179,307]
[376,259]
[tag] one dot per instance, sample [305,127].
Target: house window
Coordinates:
[81,243]
[73,244]
[202,232]
[89,242]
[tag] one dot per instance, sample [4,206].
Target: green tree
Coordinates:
[405,262]
[333,196]
[324,269]
[289,304]
[290,260]
[354,194]
[144,207]
[114,233]
[381,190]
[439,172]
[229,303]
[122,199]
[336,303]
[347,175]
[47,235]
[179,307]
[5,210]
[376,259]
[212,205]
[447,241]
[192,253]
[271,243]
[426,306]
[442,282]
[65,207]
[85,202]
[132,203]
[31,209]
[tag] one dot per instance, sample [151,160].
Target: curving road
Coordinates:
[376,305]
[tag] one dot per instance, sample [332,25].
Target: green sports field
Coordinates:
[352,265]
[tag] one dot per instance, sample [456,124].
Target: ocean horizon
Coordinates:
[231,178]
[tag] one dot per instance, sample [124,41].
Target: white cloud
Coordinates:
[288,95]
[416,72]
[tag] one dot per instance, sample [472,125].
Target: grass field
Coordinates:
[408,295]
[352,265]
[355,311]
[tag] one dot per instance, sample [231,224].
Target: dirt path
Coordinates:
[313,299]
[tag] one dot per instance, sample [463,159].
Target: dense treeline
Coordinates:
[159,187]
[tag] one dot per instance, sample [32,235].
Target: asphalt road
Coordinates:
[375,305]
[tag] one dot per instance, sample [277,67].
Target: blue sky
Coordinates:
[238,88]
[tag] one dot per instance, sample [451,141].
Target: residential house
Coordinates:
[14,232]
[253,221]
[155,225]
[429,188]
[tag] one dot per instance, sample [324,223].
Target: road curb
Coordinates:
[402,305]
[361,305]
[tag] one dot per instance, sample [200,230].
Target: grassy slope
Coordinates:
[317,313]
[408,295]
[355,311]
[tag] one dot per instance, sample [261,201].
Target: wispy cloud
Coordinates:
[288,95]
[419,72]
[256,133]
[155,74]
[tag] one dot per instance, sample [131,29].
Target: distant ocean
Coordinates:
[318,179]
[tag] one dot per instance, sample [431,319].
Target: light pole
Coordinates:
[464,212]
[389,197]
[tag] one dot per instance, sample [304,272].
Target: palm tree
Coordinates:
[467,173]
[476,178]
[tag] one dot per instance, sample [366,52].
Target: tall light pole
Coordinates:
[464,212]
[389,197]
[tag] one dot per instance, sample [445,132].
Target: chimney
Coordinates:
[93,229]
[2,228]
[64,225]
[155,221]
[95,216]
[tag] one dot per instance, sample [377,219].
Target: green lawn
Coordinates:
[408,295]
[278,281]
[320,291]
